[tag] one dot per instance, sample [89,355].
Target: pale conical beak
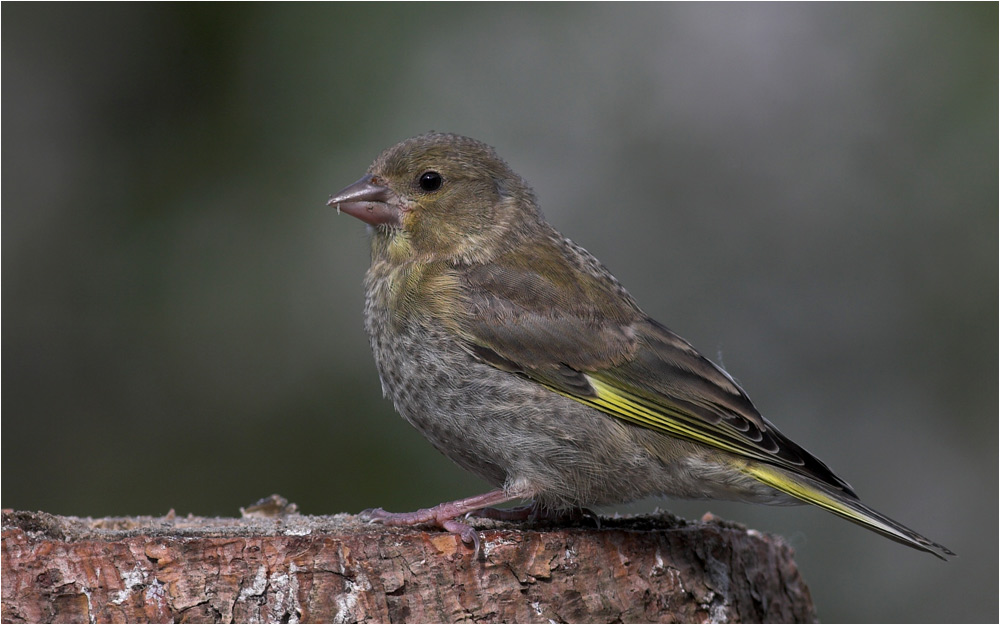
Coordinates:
[370,202]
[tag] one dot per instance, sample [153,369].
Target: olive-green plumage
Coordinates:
[521,358]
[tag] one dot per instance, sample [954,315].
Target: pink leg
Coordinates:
[443,515]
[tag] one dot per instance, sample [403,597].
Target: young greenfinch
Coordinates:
[521,358]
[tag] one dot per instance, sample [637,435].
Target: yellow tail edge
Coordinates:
[846,507]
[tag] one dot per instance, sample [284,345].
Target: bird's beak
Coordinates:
[370,202]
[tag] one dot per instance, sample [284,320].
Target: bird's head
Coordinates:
[441,196]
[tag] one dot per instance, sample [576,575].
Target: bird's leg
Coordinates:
[443,515]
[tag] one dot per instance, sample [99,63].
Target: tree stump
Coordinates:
[294,568]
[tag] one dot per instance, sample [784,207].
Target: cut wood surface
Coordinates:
[295,568]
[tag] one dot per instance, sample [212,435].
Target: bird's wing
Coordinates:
[611,356]
[605,353]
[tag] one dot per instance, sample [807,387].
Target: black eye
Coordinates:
[430,181]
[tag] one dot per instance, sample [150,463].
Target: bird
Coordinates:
[520,357]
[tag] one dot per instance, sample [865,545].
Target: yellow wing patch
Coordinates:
[674,421]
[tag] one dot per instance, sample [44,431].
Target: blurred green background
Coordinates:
[806,193]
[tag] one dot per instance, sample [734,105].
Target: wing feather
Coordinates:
[546,326]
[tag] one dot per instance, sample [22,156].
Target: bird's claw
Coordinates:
[468,535]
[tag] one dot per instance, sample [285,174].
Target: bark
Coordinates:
[294,568]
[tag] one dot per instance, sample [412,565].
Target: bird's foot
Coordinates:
[442,515]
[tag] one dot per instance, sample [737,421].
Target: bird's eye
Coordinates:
[430,181]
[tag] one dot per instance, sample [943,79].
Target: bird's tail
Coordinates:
[844,505]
